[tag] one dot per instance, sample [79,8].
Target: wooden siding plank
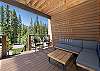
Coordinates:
[78,22]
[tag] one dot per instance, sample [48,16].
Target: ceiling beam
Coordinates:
[56,7]
[29,3]
[22,6]
[41,4]
[36,3]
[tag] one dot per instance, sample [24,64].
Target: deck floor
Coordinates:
[31,61]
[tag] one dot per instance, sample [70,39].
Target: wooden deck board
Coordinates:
[31,62]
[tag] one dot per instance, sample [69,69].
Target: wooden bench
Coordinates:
[61,56]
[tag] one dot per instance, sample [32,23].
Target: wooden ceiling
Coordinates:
[45,6]
[50,7]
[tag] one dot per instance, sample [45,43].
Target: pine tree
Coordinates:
[2,18]
[20,28]
[36,26]
[31,26]
[7,21]
[15,27]
[11,28]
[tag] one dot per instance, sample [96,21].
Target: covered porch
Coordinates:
[73,26]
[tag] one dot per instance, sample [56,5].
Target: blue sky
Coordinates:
[26,15]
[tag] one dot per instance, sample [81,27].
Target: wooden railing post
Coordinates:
[29,42]
[4,46]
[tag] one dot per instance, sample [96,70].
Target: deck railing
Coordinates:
[36,40]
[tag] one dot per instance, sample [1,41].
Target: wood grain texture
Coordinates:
[30,61]
[98,2]
[51,7]
[79,22]
[23,5]
[4,46]
[60,56]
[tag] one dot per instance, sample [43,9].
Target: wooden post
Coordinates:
[29,42]
[4,46]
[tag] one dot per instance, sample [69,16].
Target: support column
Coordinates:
[49,30]
[29,42]
[4,46]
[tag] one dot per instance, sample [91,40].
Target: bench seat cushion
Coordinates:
[88,58]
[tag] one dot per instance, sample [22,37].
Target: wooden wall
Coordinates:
[78,22]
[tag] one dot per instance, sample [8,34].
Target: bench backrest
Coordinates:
[70,42]
[62,41]
[98,52]
[76,43]
[90,44]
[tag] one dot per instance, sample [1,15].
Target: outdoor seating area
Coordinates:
[49,35]
[88,52]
